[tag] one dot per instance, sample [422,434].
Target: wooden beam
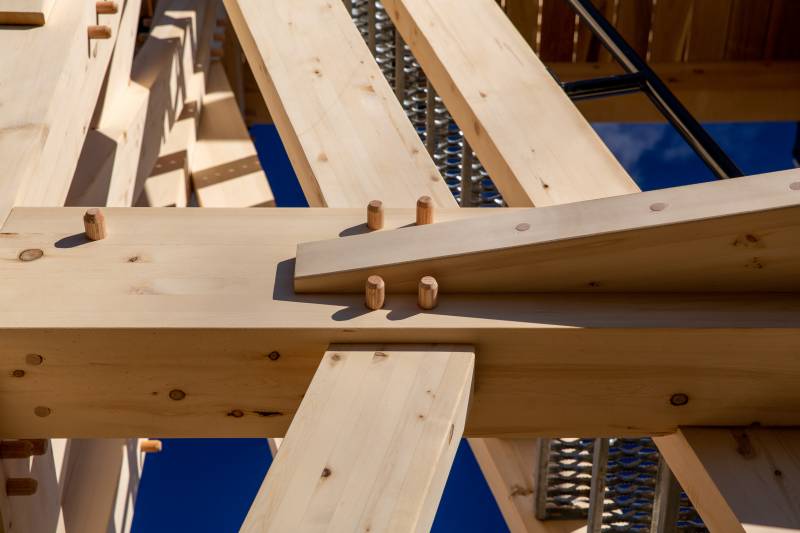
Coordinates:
[346,134]
[510,468]
[733,235]
[726,91]
[169,183]
[739,479]
[25,12]
[40,136]
[399,414]
[195,300]
[520,123]
[224,163]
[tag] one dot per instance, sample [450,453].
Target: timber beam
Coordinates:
[398,413]
[733,235]
[185,323]
[744,479]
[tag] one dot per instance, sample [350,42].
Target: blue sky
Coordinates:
[207,485]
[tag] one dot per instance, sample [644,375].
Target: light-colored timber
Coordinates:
[735,235]
[40,136]
[398,412]
[743,479]
[224,165]
[25,12]
[512,112]
[215,287]
[347,136]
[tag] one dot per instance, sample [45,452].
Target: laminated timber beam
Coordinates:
[744,479]
[42,133]
[733,235]
[398,413]
[526,132]
[346,134]
[25,12]
[166,327]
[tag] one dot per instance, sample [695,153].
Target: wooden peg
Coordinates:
[424,210]
[99,32]
[39,445]
[94,222]
[150,446]
[428,293]
[106,8]
[375,292]
[375,215]
[15,449]
[21,486]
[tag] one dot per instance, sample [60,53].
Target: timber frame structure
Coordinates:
[393,313]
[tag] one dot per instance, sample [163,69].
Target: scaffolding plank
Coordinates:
[732,235]
[522,126]
[399,413]
[740,479]
[346,134]
[194,300]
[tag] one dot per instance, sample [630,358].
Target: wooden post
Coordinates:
[106,8]
[21,486]
[375,292]
[424,210]
[398,413]
[94,222]
[428,292]
[16,449]
[99,32]
[375,215]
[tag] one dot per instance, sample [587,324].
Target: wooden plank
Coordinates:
[747,31]
[709,30]
[169,183]
[510,468]
[524,15]
[516,117]
[40,137]
[164,76]
[671,23]
[399,414]
[782,42]
[195,299]
[633,21]
[739,479]
[557,31]
[346,134]
[732,235]
[587,45]
[712,92]
[25,12]
[224,164]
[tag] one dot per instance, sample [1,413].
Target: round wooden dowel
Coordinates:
[428,292]
[39,446]
[94,222]
[21,486]
[15,449]
[99,32]
[106,8]
[151,446]
[424,210]
[375,215]
[375,292]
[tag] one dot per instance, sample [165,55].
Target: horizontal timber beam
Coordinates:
[398,413]
[346,134]
[732,235]
[168,327]
[734,91]
[740,480]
